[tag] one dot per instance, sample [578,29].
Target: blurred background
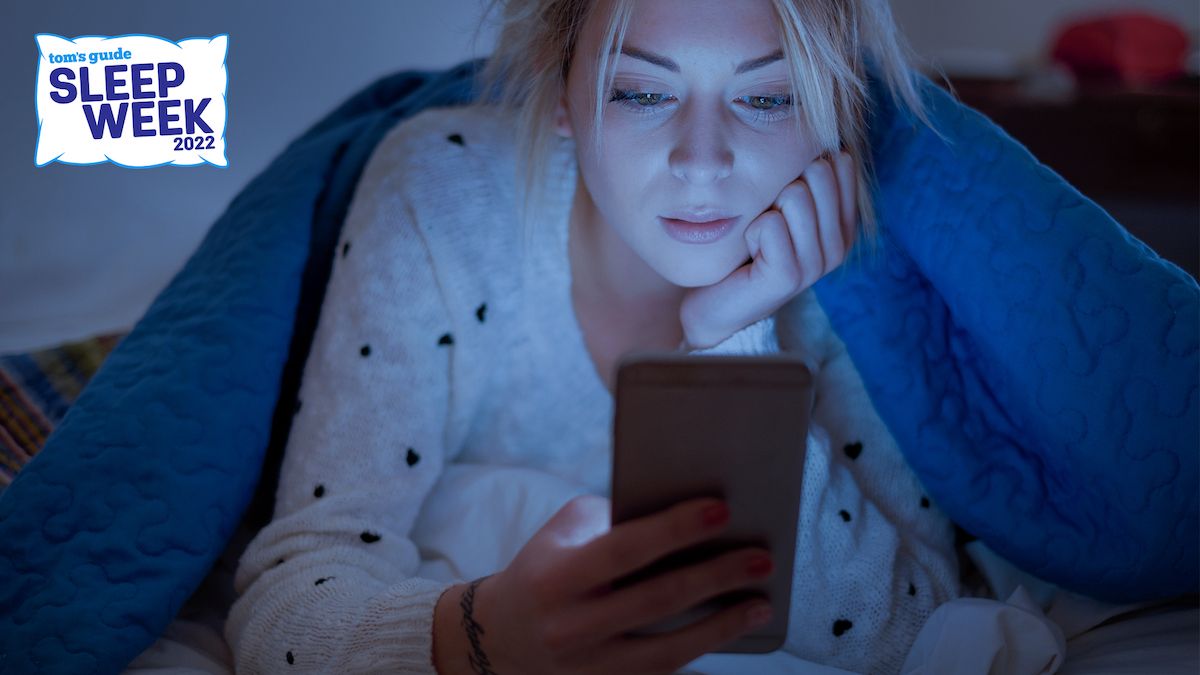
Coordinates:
[1113,106]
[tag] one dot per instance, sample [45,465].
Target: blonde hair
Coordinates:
[825,43]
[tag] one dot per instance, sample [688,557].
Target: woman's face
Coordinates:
[703,128]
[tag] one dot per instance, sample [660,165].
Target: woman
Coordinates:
[653,175]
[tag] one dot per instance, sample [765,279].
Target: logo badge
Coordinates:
[133,100]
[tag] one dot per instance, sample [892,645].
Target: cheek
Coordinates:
[775,166]
[616,169]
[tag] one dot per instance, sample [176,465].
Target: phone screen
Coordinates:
[733,427]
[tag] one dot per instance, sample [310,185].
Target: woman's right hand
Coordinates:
[804,235]
[552,610]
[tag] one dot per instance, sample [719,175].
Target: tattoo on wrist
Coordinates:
[478,660]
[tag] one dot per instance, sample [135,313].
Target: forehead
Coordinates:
[737,28]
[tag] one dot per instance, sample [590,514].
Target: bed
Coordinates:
[998,279]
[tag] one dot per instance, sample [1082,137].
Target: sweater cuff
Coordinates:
[399,626]
[758,338]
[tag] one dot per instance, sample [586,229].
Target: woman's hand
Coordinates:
[802,237]
[553,610]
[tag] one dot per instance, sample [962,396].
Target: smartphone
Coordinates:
[732,427]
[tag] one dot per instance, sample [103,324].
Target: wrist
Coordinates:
[458,635]
[449,640]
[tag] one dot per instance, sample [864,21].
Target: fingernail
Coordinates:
[760,566]
[758,615]
[715,515]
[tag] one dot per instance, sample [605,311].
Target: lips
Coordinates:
[699,215]
[690,232]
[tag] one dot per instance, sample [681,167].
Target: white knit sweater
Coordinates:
[449,407]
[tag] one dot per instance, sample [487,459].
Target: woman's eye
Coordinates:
[766,108]
[646,98]
[767,102]
[638,99]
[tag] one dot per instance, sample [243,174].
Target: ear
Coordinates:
[562,118]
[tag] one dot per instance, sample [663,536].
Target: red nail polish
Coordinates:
[715,515]
[760,566]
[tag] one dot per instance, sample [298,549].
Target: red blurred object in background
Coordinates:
[1134,47]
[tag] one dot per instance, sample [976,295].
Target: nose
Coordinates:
[701,154]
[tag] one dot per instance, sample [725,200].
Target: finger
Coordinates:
[636,543]
[800,213]
[748,293]
[754,290]
[666,595]
[776,267]
[822,181]
[752,236]
[580,520]
[847,177]
[671,651]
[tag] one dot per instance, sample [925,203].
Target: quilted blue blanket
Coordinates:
[1036,363]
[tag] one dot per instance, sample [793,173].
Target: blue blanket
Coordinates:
[1037,365]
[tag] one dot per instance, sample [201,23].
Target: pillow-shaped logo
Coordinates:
[133,100]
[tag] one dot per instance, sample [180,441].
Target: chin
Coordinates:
[694,272]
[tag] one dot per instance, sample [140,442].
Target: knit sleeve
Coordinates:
[330,585]
[757,338]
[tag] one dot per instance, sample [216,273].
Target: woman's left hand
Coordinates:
[803,236]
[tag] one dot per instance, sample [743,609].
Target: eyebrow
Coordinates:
[663,62]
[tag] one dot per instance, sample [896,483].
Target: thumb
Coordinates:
[579,521]
[753,234]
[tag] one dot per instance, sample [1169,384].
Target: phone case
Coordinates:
[733,427]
